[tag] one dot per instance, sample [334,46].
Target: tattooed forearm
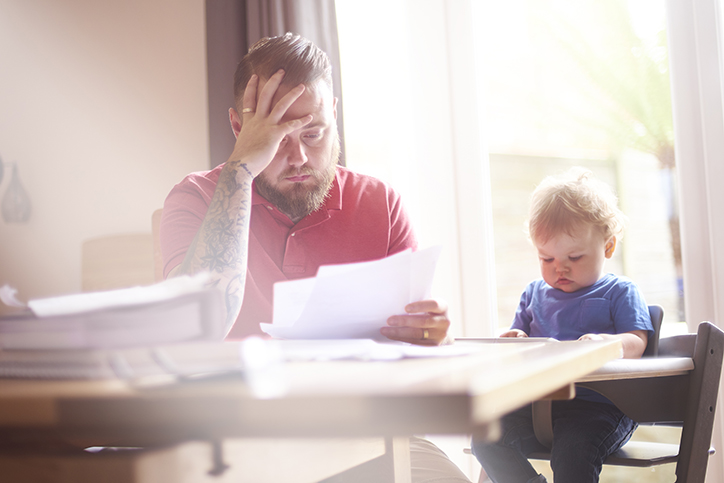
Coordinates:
[233,298]
[220,246]
[221,242]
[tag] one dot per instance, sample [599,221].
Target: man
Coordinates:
[280,207]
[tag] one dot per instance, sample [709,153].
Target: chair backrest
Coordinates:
[157,259]
[656,312]
[116,261]
[702,396]
[689,399]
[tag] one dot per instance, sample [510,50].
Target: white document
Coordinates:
[352,301]
[175,310]
[118,298]
[367,350]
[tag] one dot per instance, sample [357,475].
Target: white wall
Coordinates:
[104,109]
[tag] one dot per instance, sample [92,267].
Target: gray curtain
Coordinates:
[225,46]
[315,20]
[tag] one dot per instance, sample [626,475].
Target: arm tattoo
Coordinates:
[220,246]
[225,234]
[243,166]
[233,298]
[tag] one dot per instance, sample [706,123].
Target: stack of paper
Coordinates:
[178,309]
[142,365]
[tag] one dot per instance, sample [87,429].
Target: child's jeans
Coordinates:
[584,434]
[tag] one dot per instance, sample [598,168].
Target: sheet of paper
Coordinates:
[90,301]
[296,294]
[351,301]
[175,310]
[8,296]
[367,350]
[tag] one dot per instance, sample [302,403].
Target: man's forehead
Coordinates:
[318,93]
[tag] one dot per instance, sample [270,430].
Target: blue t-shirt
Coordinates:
[612,305]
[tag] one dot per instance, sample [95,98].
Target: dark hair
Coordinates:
[302,61]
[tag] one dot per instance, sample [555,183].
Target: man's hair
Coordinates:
[302,61]
[560,204]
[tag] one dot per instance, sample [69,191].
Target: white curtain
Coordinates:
[697,80]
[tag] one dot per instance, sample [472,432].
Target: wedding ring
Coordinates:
[425,334]
[247,110]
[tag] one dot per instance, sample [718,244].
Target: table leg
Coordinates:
[392,466]
[398,449]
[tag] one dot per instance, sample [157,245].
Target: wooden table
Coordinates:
[347,400]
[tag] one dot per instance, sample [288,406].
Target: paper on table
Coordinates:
[351,300]
[124,297]
[368,350]
[81,303]
[175,310]
[8,296]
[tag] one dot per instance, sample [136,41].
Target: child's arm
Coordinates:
[634,342]
[514,333]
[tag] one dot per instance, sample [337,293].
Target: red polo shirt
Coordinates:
[362,219]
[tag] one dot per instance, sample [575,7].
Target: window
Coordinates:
[412,61]
[412,124]
[556,84]
[582,84]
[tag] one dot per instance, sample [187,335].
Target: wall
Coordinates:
[104,109]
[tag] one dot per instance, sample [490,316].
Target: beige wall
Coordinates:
[104,109]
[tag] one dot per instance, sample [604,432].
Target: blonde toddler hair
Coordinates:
[560,204]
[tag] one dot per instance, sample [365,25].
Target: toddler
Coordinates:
[574,224]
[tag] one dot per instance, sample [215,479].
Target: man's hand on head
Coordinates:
[425,323]
[258,127]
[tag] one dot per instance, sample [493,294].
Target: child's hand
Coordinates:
[514,333]
[591,337]
[633,343]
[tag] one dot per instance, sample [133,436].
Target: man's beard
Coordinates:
[300,200]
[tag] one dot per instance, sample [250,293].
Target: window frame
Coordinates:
[695,58]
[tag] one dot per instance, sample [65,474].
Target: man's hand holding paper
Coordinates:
[425,323]
[356,301]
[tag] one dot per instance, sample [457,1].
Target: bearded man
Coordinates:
[281,206]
